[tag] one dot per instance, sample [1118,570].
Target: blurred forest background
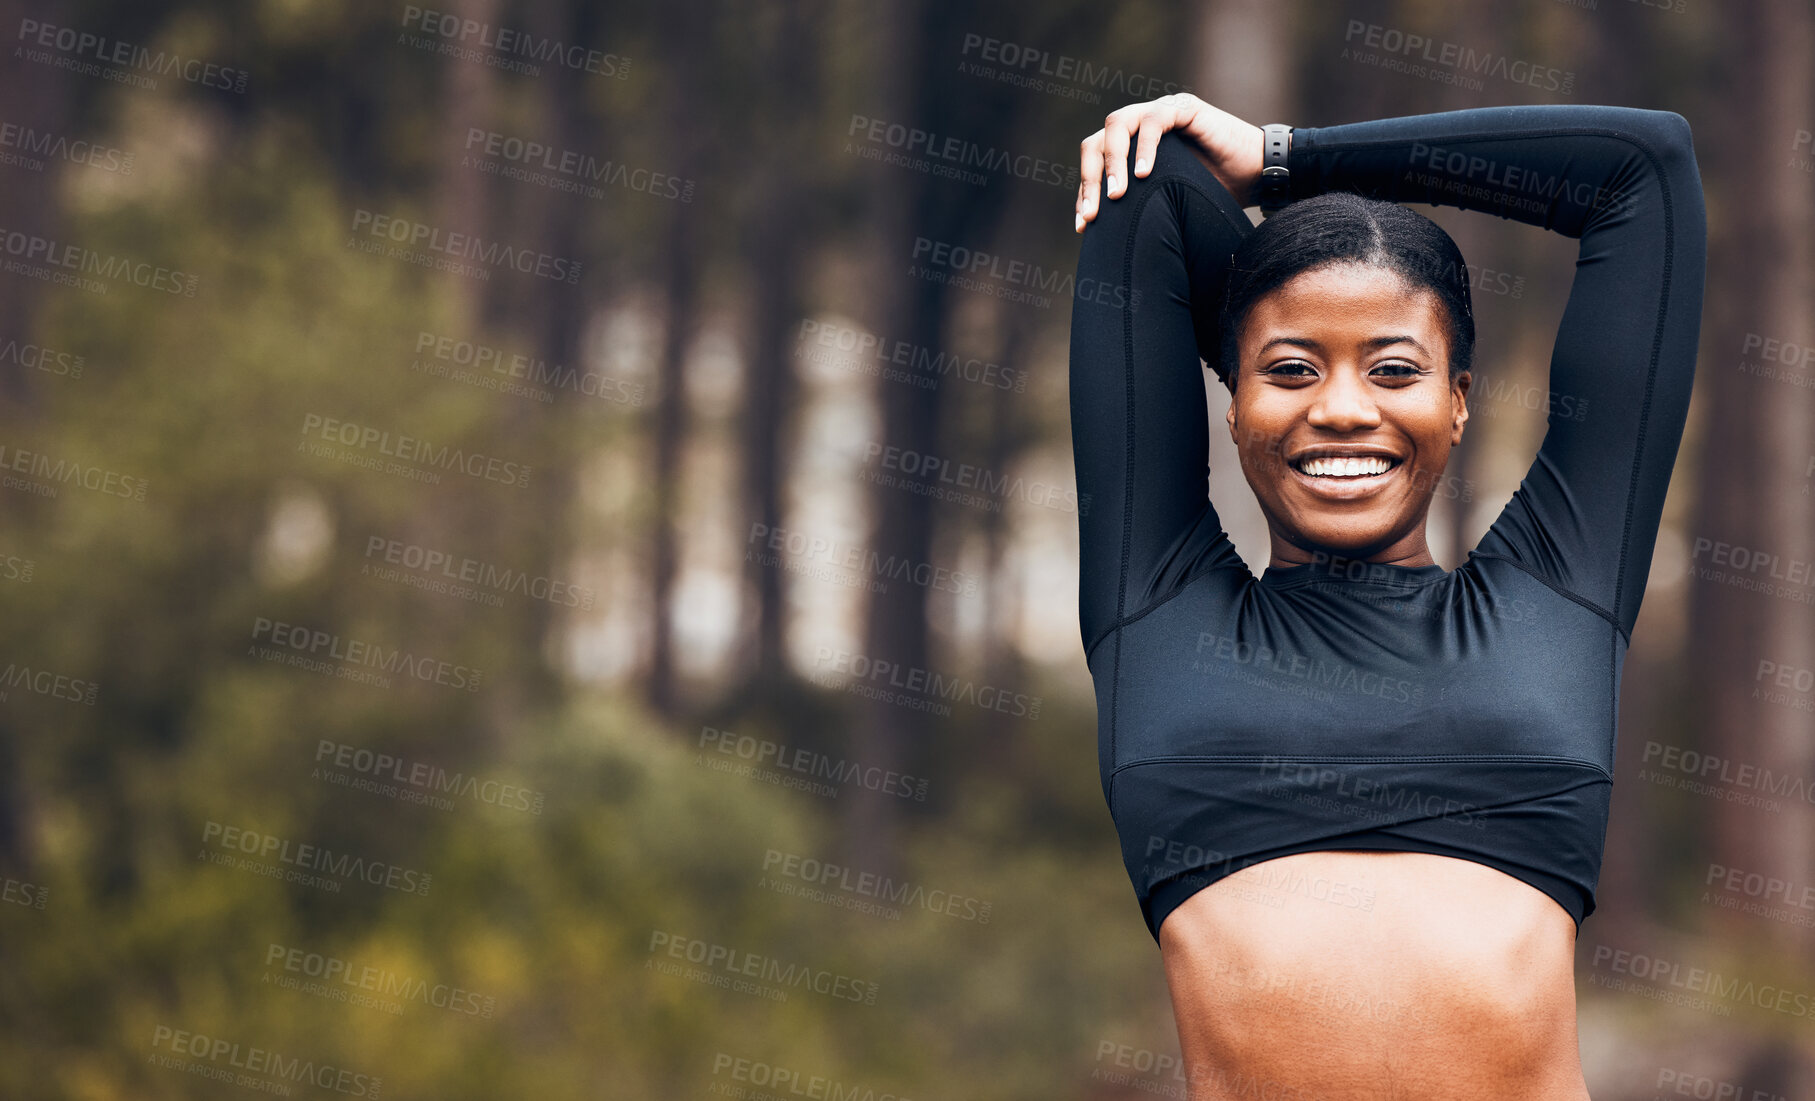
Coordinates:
[577,847]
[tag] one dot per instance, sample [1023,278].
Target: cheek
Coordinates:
[1258,439]
[1269,412]
[1425,417]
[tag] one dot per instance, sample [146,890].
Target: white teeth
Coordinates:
[1345,466]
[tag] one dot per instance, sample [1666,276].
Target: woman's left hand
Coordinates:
[1228,146]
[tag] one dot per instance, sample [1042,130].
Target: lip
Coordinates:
[1343,450]
[1345,489]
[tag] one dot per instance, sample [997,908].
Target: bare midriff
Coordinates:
[1374,976]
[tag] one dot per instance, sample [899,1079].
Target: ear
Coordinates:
[1459,397]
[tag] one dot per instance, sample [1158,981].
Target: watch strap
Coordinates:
[1275,188]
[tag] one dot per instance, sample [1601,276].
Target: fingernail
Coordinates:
[1140,166]
[1111,186]
[1080,222]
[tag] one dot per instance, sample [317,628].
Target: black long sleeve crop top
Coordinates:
[1351,705]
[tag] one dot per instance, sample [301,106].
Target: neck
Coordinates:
[1410,551]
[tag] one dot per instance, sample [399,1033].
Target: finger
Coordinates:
[1116,130]
[1147,145]
[1090,174]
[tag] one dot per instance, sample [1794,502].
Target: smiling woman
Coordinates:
[1362,799]
[1345,424]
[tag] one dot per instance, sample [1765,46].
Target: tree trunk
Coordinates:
[683,109]
[36,99]
[1758,447]
[466,97]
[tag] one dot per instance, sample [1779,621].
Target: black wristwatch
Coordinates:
[1275,187]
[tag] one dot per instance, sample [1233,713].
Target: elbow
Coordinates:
[1663,134]
[1672,131]
[1677,151]
[1669,138]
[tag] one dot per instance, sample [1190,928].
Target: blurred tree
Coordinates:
[1757,446]
[683,105]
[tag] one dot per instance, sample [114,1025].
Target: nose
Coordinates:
[1342,403]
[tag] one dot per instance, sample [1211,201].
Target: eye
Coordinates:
[1404,370]
[1291,368]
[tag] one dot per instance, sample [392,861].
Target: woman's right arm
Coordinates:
[1145,310]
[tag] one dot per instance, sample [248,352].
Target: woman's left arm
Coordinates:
[1624,182]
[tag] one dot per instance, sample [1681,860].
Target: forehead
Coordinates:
[1345,295]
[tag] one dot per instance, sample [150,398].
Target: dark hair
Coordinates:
[1342,226]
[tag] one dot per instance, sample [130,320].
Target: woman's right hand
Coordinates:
[1229,147]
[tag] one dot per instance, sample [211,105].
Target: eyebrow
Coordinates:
[1370,345]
